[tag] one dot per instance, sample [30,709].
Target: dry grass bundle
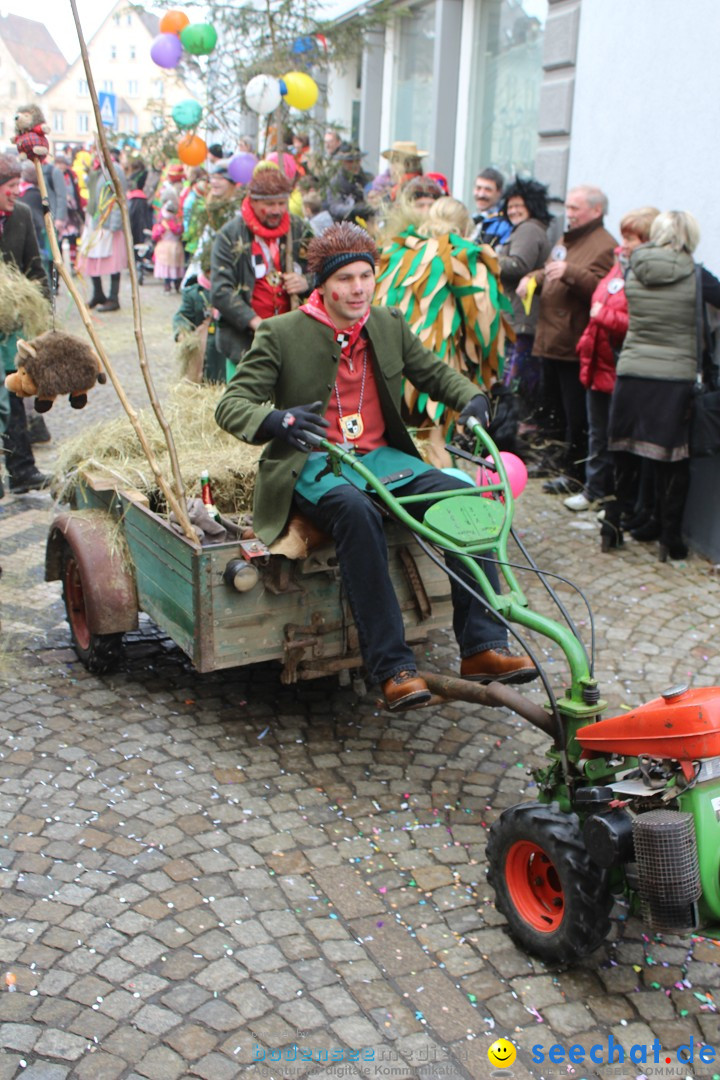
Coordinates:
[111,447]
[23,307]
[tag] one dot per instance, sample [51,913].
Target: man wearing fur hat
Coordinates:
[348,360]
[251,279]
[18,245]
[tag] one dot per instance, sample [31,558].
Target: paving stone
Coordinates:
[60,1044]
[446,1009]
[391,945]
[155,1020]
[161,1063]
[191,1041]
[41,1070]
[218,1015]
[214,1067]
[348,892]
[100,1066]
[18,1036]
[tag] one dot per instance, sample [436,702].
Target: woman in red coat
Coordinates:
[598,350]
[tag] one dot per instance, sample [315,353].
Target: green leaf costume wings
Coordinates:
[448,291]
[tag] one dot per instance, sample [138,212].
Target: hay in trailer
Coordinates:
[23,305]
[111,447]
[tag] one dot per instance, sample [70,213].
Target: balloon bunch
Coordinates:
[177,33]
[264,93]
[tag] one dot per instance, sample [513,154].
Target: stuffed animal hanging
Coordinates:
[55,363]
[31,133]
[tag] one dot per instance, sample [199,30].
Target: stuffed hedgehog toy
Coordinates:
[31,133]
[55,363]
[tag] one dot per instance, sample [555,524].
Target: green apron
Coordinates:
[317,477]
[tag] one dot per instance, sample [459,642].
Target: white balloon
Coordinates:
[262,94]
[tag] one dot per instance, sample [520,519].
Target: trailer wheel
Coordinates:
[555,898]
[99,653]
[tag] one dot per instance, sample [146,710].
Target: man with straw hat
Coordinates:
[19,247]
[348,360]
[405,163]
[250,264]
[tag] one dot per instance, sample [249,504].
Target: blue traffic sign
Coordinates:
[108,109]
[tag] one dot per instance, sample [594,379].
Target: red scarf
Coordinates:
[314,306]
[255,225]
[349,380]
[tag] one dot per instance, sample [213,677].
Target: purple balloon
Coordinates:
[240,168]
[166,50]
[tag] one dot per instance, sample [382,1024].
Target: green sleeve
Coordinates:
[227,290]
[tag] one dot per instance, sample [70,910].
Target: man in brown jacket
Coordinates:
[566,284]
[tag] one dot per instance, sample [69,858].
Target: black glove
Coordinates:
[292,424]
[477,407]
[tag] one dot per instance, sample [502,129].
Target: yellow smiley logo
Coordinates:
[502,1053]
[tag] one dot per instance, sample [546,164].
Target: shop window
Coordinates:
[505,91]
[413,89]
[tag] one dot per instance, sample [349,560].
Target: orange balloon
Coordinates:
[192,150]
[173,22]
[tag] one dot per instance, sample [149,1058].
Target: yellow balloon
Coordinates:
[302,91]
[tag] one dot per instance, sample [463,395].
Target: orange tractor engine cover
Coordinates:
[682,724]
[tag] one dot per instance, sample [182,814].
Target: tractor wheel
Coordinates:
[555,898]
[99,653]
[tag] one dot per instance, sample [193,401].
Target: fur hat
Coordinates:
[339,245]
[268,182]
[9,168]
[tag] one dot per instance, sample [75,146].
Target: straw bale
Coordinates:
[112,447]
[23,306]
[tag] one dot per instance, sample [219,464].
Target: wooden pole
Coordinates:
[178,509]
[175,493]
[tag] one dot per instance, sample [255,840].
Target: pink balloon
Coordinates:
[515,468]
[289,164]
[166,50]
[240,167]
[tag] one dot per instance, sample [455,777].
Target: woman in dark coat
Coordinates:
[652,400]
[525,207]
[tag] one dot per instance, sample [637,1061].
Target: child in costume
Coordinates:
[169,257]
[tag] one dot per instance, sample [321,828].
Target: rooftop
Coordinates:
[31,46]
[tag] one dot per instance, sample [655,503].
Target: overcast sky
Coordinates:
[57,16]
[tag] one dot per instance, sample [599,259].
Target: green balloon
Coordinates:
[199,38]
[187,114]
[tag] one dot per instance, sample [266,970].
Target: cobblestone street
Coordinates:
[202,870]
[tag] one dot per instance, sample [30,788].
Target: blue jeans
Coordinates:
[356,525]
[599,465]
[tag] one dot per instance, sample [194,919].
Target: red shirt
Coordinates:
[348,386]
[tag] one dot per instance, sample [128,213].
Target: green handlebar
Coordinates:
[513,607]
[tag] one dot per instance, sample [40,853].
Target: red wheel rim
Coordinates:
[75,603]
[534,886]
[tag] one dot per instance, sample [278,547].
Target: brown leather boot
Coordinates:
[497,665]
[405,690]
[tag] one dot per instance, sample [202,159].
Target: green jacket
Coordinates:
[661,338]
[292,362]
[233,280]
